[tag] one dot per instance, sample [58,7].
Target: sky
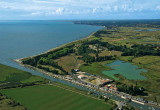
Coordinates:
[79,9]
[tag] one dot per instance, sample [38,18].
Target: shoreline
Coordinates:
[61,46]
[19,60]
[61,77]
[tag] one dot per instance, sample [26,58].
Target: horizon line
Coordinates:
[72,19]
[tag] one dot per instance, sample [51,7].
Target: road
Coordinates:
[120,104]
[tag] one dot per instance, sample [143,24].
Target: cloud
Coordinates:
[36,13]
[158,7]
[59,10]
[78,7]
[115,8]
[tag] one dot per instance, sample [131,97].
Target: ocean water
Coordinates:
[20,39]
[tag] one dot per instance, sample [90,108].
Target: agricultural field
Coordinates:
[12,77]
[9,104]
[9,75]
[54,97]
[11,99]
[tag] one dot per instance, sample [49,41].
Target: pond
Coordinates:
[126,69]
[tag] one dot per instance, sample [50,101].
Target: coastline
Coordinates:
[19,60]
[61,46]
[50,74]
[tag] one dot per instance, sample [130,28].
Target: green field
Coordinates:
[12,77]
[16,76]
[96,68]
[9,104]
[51,97]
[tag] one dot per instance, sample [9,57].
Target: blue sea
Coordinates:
[20,39]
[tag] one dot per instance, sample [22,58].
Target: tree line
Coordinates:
[120,23]
[133,90]
[142,50]
[48,59]
[89,59]
[135,50]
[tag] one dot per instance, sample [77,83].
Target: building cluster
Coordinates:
[102,83]
[111,87]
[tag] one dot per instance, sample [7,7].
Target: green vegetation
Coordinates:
[133,90]
[69,62]
[60,53]
[121,23]
[53,97]
[128,70]
[128,107]
[23,93]
[95,68]
[120,41]
[142,50]
[12,77]
[9,104]
[47,59]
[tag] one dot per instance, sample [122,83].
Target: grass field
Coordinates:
[69,62]
[108,53]
[152,64]
[128,36]
[96,68]
[13,75]
[9,104]
[51,97]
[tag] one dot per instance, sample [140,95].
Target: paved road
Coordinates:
[120,105]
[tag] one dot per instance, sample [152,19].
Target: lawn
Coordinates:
[51,97]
